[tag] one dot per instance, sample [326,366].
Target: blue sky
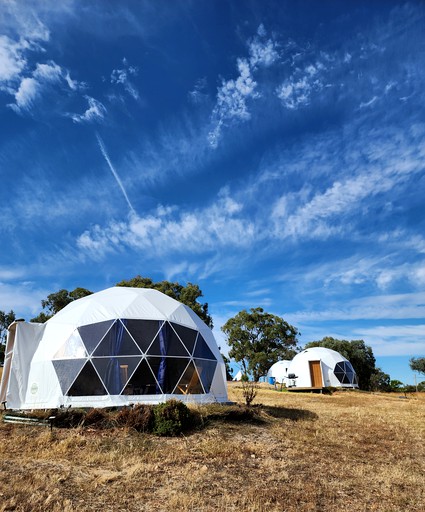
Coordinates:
[272,152]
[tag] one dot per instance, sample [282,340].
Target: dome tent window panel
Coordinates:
[168,371]
[350,376]
[346,380]
[73,348]
[187,335]
[340,376]
[115,371]
[91,334]
[142,382]
[143,331]
[87,383]
[67,371]
[190,383]
[339,371]
[167,343]
[117,342]
[202,351]
[206,370]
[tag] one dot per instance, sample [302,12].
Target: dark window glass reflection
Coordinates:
[87,383]
[91,334]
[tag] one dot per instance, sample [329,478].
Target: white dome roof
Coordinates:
[125,302]
[327,355]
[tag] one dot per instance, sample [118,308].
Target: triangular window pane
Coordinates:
[115,371]
[167,343]
[189,383]
[175,346]
[349,367]
[143,331]
[339,367]
[346,380]
[168,371]
[117,342]
[202,350]
[187,335]
[87,383]
[67,370]
[73,348]
[142,382]
[91,334]
[339,376]
[155,348]
[206,370]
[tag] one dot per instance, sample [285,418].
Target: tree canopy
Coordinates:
[379,381]
[57,301]
[357,352]
[417,364]
[258,339]
[187,295]
[5,320]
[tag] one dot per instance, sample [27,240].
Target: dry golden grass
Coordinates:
[349,451]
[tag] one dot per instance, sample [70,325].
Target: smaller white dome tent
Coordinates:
[115,347]
[320,367]
[279,371]
[238,376]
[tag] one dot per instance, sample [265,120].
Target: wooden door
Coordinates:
[316,374]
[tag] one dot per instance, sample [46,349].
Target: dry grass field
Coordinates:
[350,451]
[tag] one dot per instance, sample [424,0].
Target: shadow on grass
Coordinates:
[257,414]
[289,413]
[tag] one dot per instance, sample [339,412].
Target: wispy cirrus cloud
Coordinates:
[96,112]
[297,90]
[171,230]
[234,95]
[33,87]
[28,82]
[375,164]
[381,307]
[122,77]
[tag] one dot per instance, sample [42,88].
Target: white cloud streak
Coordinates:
[95,113]
[114,172]
[121,77]
[168,230]
[233,95]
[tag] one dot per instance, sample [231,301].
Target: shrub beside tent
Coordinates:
[115,347]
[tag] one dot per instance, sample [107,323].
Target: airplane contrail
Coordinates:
[114,172]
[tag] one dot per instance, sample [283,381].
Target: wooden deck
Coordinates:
[306,390]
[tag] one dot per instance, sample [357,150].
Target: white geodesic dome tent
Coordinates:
[279,371]
[320,367]
[115,347]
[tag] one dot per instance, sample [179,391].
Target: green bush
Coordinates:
[172,418]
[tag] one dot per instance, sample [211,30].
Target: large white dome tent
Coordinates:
[115,347]
[320,367]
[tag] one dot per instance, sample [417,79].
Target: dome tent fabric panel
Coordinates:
[139,346]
